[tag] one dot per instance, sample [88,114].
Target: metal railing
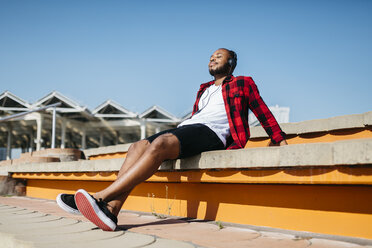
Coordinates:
[54,106]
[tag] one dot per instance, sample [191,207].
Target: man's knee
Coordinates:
[142,144]
[165,142]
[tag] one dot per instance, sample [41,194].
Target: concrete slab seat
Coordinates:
[315,187]
[64,154]
[322,130]
[45,156]
[314,131]
[340,153]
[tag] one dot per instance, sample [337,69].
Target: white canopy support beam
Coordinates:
[31,135]
[63,133]
[101,138]
[54,129]
[84,138]
[9,143]
[143,128]
[39,128]
[117,135]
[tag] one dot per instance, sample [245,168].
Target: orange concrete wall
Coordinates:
[109,156]
[329,209]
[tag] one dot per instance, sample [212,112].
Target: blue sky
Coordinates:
[311,56]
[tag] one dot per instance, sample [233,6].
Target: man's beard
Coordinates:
[223,70]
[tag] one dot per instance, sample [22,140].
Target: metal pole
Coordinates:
[28,112]
[54,128]
[9,143]
[39,127]
[63,133]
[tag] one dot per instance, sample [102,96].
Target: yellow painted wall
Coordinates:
[328,209]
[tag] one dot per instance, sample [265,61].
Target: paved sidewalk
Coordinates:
[30,222]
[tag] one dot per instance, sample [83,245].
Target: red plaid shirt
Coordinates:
[239,94]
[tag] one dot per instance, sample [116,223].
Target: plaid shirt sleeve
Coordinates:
[263,113]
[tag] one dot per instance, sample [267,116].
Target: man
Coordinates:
[219,120]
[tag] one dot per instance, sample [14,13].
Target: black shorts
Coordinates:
[194,139]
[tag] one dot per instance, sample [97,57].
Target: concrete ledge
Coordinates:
[348,152]
[351,152]
[296,128]
[106,150]
[320,125]
[315,154]
[368,118]
[73,166]
[243,158]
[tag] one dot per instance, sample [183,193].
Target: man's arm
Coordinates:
[264,115]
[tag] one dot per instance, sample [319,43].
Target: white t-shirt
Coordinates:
[212,113]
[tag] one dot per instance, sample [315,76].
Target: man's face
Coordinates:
[218,63]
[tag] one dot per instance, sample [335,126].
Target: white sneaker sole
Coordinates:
[66,207]
[88,207]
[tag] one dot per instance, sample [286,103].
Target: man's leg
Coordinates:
[134,153]
[143,162]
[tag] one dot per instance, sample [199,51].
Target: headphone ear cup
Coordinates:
[231,62]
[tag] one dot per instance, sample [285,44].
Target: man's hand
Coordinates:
[281,143]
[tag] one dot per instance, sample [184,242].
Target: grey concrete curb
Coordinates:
[106,150]
[348,152]
[320,125]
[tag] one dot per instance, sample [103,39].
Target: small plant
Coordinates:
[152,207]
[169,206]
[219,224]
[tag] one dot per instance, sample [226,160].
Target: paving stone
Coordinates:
[11,210]
[326,243]
[198,233]
[74,228]
[69,232]
[129,220]
[16,212]
[168,243]
[77,237]
[25,213]
[17,228]
[228,237]
[40,219]
[8,241]
[5,206]
[127,240]
[277,240]
[22,216]
[150,225]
